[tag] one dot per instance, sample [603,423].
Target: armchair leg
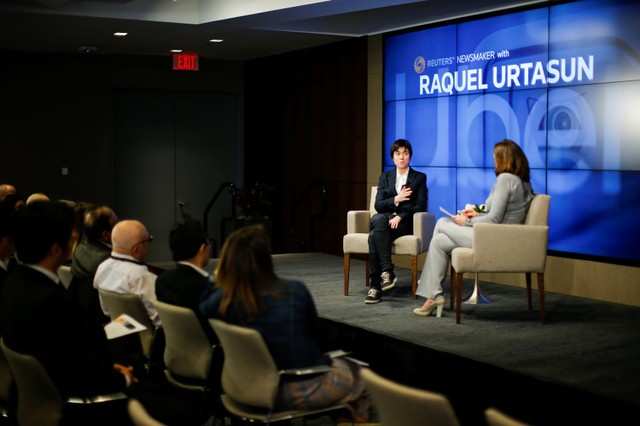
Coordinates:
[346,264]
[452,285]
[366,270]
[458,293]
[541,292]
[528,277]
[414,275]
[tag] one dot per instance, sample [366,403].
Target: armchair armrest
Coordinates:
[338,353]
[316,369]
[358,221]
[96,399]
[423,225]
[509,248]
[342,354]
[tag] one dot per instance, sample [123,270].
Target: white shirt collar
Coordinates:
[4,264]
[401,180]
[402,176]
[197,268]
[55,278]
[123,256]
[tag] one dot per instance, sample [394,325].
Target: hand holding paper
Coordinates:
[443,210]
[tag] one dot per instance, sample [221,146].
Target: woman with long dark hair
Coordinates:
[251,295]
[508,202]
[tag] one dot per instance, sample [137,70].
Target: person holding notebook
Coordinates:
[508,202]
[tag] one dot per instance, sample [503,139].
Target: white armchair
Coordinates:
[506,248]
[356,242]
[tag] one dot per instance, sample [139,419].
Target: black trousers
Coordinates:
[381,237]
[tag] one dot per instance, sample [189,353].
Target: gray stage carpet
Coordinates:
[591,345]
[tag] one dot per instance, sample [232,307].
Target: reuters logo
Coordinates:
[419,64]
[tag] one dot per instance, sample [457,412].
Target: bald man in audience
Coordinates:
[125,271]
[37,197]
[6,189]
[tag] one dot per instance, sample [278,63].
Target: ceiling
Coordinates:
[249,28]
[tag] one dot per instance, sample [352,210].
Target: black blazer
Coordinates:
[38,318]
[185,287]
[4,274]
[418,202]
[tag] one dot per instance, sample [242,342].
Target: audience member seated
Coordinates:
[38,317]
[36,197]
[6,189]
[93,249]
[188,284]
[284,313]
[95,246]
[80,209]
[125,271]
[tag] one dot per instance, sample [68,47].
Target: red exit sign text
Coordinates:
[185,61]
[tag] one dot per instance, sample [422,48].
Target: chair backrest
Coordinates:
[130,304]
[372,201]
[496,418]
[39,402]
[125,303]
[188,351]
[140,416]
[402,405]
[538,213]
[249,374]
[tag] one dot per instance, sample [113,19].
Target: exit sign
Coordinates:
[185,61]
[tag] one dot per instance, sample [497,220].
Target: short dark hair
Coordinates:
[97,220]
[39,226]
[185,239]
[401,143]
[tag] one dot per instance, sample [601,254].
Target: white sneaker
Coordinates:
[389,280]
[373,296]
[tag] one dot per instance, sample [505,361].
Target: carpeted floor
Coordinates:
[591,345]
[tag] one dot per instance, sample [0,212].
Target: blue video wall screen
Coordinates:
[562,81]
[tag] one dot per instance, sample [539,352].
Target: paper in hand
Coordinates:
[443,210]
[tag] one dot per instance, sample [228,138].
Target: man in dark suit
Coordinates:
[401,193]
[188,284]
[38,317]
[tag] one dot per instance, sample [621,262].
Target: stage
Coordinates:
[581,366]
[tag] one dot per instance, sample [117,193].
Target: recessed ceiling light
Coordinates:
[120,34]
[216,40]
[176,50]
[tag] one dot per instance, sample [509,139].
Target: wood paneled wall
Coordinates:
[305,135]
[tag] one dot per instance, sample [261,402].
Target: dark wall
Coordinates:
[58,111]
[98,117]
[305,136]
